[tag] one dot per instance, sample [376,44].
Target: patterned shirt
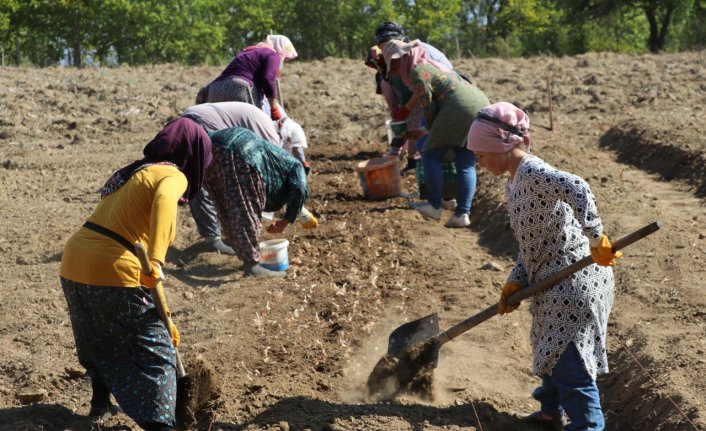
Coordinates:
[284,176]
[552,214]
[449,104]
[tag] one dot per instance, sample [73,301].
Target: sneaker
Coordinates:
[429,211]
[458,221]
[546,421]
[216,244]
[448,205]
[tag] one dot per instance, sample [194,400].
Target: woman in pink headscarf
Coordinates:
[449,104]
[251,75]
[556,223]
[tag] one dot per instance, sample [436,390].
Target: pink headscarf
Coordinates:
[411,55]
[498,128]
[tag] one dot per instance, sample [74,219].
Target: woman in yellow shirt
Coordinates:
[120,339]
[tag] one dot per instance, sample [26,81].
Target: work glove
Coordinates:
[508,290]
[275,113]
[150,281]
[400,114]
[176,337]
[602,252]
[307,219]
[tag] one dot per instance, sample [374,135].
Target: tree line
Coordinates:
[135,32]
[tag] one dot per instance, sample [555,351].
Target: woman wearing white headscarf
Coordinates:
[251,75]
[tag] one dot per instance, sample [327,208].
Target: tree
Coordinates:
[659,14]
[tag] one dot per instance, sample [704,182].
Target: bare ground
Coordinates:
[295,353]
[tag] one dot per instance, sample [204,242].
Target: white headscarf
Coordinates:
[282,46]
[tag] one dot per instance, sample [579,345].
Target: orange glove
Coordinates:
[508,290]
[602,252]
[275,113]
[176,337]
[151,280]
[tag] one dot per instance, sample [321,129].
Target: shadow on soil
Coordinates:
[307,413]
[639,146]
[631,401]
[42,417]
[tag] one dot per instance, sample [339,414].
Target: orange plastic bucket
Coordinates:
[380,177]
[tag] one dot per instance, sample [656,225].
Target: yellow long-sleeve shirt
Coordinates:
[143,210]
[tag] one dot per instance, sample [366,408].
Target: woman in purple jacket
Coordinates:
[251,75]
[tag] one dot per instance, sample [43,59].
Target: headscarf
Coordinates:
[279,44]
[182,143]
[375,60]
[411,55]
[389,30]
[498,128]
[282,46]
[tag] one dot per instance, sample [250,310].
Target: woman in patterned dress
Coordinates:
[120,339]
[556,223]
[250,175]
[213,117]
[449,104]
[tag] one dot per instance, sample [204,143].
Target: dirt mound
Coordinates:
[664,150]
[294,354]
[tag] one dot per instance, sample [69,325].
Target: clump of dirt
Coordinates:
[411,372]
[199,393]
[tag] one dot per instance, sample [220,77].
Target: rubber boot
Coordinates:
[101,406]
[254,269]
[216,244]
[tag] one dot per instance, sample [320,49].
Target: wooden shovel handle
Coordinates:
[160,302]
[515,299]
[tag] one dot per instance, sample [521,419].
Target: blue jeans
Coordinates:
[571,389]
[465,162]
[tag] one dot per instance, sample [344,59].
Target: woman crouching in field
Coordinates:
[120,339]
[556,223]
[250,175]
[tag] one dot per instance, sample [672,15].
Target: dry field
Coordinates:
[293,354]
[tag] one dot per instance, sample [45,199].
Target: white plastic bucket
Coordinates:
[274,255]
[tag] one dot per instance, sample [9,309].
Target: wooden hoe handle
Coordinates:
[160,301]
[515,299]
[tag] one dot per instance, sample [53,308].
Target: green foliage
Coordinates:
[107,32]
[621,31]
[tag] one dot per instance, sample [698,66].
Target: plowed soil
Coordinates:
[294,354]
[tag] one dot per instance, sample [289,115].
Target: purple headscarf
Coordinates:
[182,143]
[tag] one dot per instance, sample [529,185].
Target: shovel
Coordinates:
[193,394]
[413,348]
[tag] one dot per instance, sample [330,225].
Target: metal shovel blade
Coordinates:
[411,348]
[412,333]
